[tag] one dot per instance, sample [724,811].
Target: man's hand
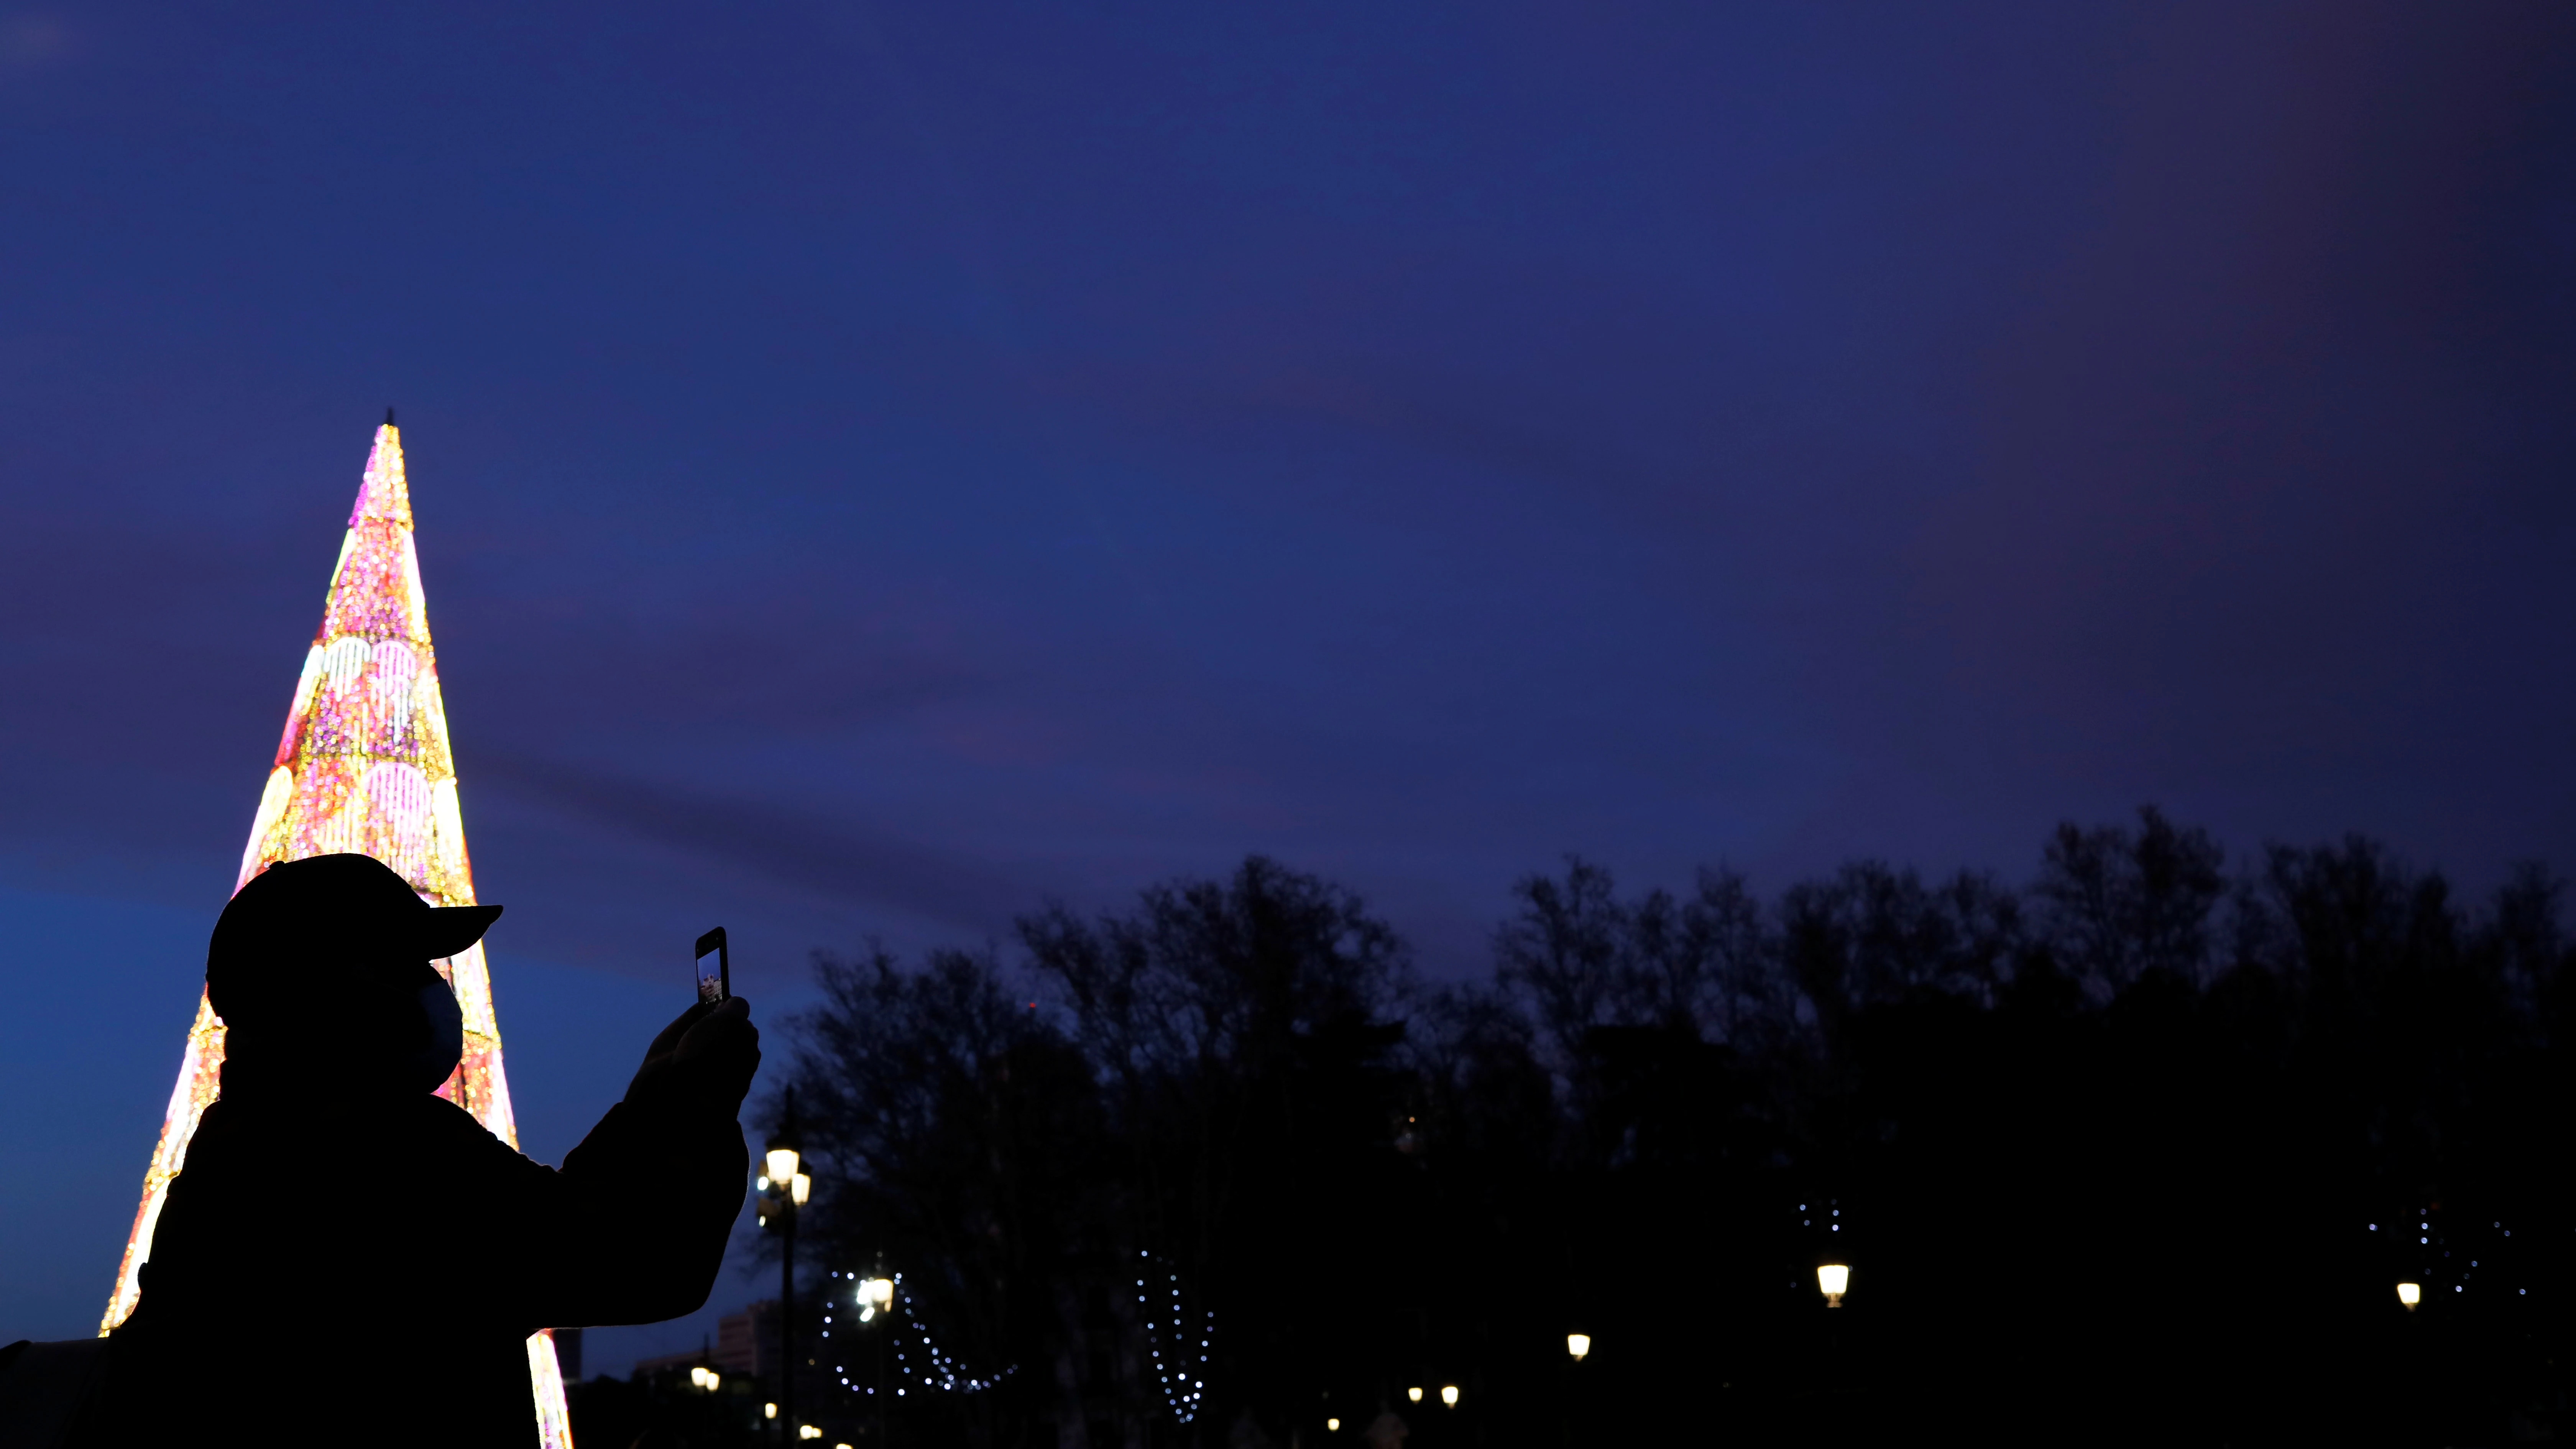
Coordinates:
[703,1062]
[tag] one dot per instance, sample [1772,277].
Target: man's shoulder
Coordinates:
[430,1113]
[440,1140]
[437,1120]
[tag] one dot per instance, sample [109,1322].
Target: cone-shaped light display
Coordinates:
[363,766]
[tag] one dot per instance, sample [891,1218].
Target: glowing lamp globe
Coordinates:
[802,1187]
[879,1291]
[1332,1426]
[1449,1395]
[1833,1280]
[1413,1394]
[2410,1294]
[1578,1344]
[769,1411]
[780,1155]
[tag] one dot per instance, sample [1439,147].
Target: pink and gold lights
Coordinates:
[363,766]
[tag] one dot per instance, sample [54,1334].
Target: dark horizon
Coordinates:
[877,473]
[2128,1148]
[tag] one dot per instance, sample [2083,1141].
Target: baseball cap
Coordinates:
[300,923]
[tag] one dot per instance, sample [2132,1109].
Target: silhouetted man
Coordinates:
[348,1258]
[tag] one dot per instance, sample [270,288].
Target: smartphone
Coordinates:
[715,968]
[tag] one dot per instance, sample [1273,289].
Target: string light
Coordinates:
[938,1369]
[1184,1390]
[2444,1263]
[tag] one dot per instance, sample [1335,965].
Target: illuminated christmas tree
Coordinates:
[364,766]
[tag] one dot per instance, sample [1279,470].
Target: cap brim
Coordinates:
[451,929]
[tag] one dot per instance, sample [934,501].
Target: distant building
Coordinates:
[745,1343]
[660,1363]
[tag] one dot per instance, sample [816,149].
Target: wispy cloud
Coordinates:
[833,861]
[33,40]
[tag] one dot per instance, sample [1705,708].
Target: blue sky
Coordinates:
[880,469]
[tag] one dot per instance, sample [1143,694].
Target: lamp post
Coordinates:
[784,1159]
[876,1299]
[2410,1294]
[1577,1347]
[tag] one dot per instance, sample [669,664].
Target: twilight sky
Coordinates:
[878,467]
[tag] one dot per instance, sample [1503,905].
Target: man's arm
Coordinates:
[633,1229]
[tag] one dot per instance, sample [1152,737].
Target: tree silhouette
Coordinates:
[2134,1152]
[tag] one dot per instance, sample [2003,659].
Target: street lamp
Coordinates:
[1449,1395]
[2410,1294]
[1413,1394]
[1578,1344]
[783,1157]
[1332,1426]
[1833,1280]
[876,1296]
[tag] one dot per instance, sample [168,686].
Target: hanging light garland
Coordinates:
[1184,1388]
[936,1368]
